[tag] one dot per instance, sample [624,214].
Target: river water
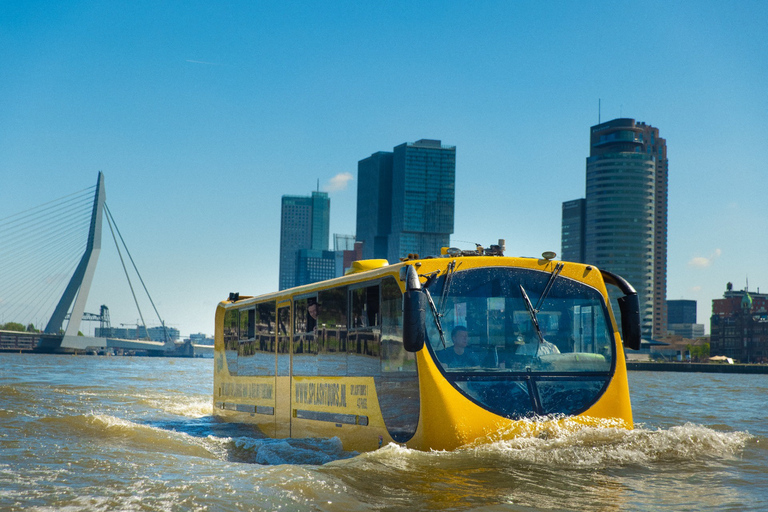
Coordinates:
[122,433]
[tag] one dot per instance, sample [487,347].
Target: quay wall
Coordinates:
[696,367]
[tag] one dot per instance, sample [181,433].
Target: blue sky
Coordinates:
[203,114]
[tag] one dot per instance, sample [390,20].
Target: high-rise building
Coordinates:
[625,213]
[681,311]
[374,204]
[304,224]
[405,201]
[573,230]
[313,265]
[681,319]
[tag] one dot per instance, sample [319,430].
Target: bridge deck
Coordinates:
[14,341]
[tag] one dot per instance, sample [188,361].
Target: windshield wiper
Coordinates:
[450,270]
[534,319]
[435,314]
[439,311]
[533,311]
[548,286]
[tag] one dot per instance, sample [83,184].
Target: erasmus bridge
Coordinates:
[38,250]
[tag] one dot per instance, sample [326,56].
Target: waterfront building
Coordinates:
[158,333]
[739,326]
[681,319]
[348,250]
[343,242]
[623,219]
[201,339]
[304,224]
[405,201]
[123,333]
[688,331]
[138,333]
[313,265]
[681,311]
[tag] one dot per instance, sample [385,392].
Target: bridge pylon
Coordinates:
[80,283]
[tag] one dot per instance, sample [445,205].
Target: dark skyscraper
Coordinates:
[625,213]
[405,201]
[681,311]
[573,230]
[304,224]
[374,204]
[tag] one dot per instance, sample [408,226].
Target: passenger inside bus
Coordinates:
[535,347]
[312,310]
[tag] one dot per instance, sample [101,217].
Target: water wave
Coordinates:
[569,444]
[179,405]
[600,447]
[147,438]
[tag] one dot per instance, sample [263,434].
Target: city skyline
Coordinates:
[201,117]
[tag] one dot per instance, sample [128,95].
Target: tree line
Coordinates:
[16,326]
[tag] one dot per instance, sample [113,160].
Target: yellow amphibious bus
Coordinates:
[432,353]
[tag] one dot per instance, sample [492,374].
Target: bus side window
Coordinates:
[247,324]
[231,332]
[265,326]
[365,324]
[299,316]
[231,338]
[364,307]
[305,326]
[332,320]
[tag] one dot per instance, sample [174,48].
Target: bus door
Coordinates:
[283,379]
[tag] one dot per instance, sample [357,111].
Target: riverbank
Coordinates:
[697,367]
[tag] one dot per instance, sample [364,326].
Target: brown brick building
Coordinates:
[739,326]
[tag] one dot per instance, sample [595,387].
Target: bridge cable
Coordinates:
[119,253]
[39,250]
[109,216]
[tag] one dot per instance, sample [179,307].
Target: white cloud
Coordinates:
[704,262]
[339,182]
[203,62]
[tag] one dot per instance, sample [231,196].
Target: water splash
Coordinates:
[285,451]
[571,444]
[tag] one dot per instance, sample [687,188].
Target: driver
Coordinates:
[458,356]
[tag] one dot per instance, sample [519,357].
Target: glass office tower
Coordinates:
[304,224]
[423,197]
[374,204]
[573,231]
[405,202]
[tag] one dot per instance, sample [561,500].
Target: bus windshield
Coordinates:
[522,342]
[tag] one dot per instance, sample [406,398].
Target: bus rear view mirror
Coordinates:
[629,306]
[414,320]
[414,312]
[630,321]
